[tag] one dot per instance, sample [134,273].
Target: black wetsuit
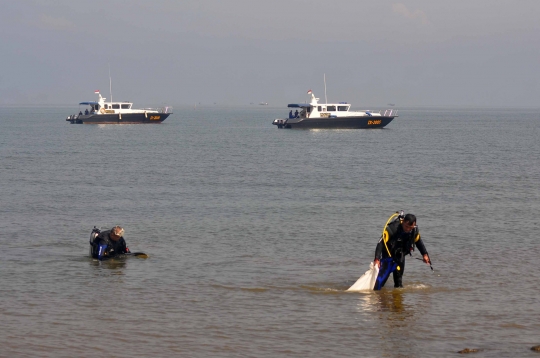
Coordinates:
[105,247]
[399,243]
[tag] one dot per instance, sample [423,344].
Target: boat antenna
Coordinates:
[325,98]
[110,82]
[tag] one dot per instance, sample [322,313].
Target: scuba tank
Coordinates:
[406,247]
[95,232]
[397,216]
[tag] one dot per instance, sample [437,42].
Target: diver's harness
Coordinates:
[409,246]
[99,250]
[400,215]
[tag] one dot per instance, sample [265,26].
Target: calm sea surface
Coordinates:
[255,233]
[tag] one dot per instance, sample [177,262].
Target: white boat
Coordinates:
[333,115]
[102,112]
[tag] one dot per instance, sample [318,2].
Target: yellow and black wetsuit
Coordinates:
[396,244]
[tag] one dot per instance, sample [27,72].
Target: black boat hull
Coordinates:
[364,122]
[124,118]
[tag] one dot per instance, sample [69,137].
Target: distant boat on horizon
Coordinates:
[263,103]
[391,104]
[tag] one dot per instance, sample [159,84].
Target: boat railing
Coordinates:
[390,113]
[167,109]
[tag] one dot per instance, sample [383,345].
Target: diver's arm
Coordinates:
[378,253]
[123,247]
[422,248]
[378,250]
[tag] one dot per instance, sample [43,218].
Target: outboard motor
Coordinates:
[95,232]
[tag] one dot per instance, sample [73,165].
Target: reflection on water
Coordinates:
[396,315]
[386,302]
[116,265]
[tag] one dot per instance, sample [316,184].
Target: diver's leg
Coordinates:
[398,274]
[383,274]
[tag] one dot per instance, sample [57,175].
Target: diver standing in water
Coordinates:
[399,237]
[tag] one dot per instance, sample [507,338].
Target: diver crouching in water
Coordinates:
[108,243]
[398,239]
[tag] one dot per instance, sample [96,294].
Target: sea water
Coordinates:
[254,233]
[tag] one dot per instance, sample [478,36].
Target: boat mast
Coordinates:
[110,82]
[325,98]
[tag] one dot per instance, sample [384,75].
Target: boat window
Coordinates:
[309,109]
[342,108]
[125,106]
[116,106]
[331,108]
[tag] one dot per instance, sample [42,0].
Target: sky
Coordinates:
[454,53]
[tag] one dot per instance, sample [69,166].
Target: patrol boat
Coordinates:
[315,115]
[102,112]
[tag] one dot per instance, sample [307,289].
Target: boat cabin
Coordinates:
[314,109]
[102,107]
[94,107]
[310,110]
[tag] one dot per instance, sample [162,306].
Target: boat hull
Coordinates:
[364,122]
[124,118]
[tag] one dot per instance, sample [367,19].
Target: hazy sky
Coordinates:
[418,52]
